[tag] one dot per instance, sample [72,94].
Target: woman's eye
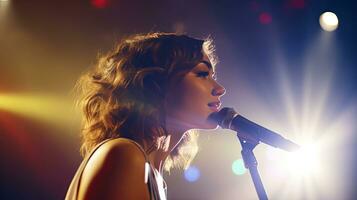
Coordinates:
[206,74]
[202,74]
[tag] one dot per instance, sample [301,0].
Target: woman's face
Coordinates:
[194,98]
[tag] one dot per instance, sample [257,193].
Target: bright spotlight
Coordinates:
[304,161]
[328,21]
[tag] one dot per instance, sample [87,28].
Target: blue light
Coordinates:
[192,174]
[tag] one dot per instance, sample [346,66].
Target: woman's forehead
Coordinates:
[206,60]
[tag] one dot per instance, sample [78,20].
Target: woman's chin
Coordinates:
[208,125]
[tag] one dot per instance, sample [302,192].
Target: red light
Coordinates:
[100,3]
[296,4]
[265,18]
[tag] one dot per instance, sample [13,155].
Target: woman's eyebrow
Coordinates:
[209,65]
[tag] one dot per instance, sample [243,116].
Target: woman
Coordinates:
[140,105]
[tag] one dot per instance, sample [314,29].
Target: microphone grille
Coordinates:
[224,117]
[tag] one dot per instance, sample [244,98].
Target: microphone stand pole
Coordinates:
[251,163]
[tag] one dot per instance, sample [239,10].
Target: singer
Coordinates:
[141,104]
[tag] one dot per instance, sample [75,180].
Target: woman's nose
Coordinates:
[218,90]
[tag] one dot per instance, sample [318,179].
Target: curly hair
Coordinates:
[124,94]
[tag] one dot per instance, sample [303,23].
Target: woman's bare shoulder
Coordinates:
[119,151]
[120,147]
[117,165]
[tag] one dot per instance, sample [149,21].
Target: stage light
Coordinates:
[192,174]
[238,167]
[100,3]
[299,165]
[328,21]
[48,108]
[312,114]
[303,162]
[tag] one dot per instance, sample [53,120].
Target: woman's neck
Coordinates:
[164,146]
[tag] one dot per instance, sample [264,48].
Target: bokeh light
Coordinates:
[238,167]
[100,4]
[192,174]
[329,21]
[265,18]
[296,4]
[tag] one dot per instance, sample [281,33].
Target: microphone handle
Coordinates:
[252,131]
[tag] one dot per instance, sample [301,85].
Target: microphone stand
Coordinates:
[251,163]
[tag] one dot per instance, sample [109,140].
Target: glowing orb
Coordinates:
[238,167]
[192,174]
[328,21]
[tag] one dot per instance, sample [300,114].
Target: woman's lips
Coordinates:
[214,106]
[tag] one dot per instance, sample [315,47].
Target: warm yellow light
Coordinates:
[49,108]
[328,21]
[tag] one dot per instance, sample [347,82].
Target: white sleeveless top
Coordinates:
[154,180]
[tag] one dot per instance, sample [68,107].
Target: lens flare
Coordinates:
[238,167]
[192,174]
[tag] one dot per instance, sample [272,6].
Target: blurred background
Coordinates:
[284,65]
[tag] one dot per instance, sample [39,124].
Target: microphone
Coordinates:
[228,118]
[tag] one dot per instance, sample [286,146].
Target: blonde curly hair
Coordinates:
[124,94]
